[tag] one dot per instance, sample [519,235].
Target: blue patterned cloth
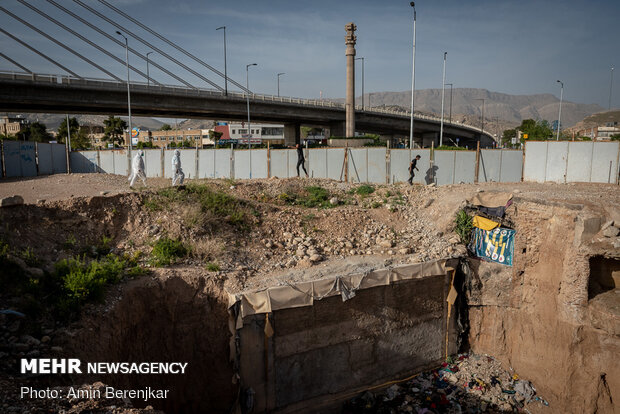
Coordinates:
[495,245]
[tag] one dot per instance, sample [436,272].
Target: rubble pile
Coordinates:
[468,384]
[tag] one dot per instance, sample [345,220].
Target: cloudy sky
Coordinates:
[515,47]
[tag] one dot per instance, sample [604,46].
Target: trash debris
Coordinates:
[466,383]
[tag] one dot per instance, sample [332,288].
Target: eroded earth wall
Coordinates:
[554,316]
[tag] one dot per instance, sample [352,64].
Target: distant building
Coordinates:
[163,139]
[13,125]
[237,132]
[601,133]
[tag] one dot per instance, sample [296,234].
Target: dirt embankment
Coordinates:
[551,316]
[555,316]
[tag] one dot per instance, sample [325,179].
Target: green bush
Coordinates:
[463,226]
[212,267]
[166,251]
[364,190]
[451,148]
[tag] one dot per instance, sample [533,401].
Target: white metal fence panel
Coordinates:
[279,163]
[335,163]
[444,164]
[358,167]
[605,162]
[557,156]
[84,161]
[579,166]
[535,161]
[20,159]
[106,161]
[45,158]
[512,166]
[464,167]
[489,166]
[152,162]
[317,162]
[376,165]
[121,163]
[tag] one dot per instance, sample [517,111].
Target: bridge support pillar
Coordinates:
[429,137]
[292,134]
[335,129]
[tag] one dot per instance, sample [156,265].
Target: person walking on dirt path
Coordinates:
[412,166]
[300,159]
[177,172]
[137,169]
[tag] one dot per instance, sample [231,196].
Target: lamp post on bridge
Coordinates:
[247,86]
[148,78]
[225,73]
[412,79]
[279,74]
[128,92]
[557,138]
[443,89]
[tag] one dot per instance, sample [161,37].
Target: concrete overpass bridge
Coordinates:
[22,92]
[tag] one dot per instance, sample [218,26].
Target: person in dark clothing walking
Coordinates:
[412,166]
[300,159]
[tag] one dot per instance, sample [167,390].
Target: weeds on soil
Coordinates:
[212,267]
[463,226]
[312,196]
[166,251]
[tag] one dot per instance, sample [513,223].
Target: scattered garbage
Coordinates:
[468,383]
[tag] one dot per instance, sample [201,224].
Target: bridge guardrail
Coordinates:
[175,89]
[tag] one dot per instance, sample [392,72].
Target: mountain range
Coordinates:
[467,102]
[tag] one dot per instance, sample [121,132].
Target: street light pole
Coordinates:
[247,86]
[482,128]
[611,83]
[362,59]
[128,92]
[450,116]
[412,79]
[225,72]
[148,78]
[443,89]
[279,74]
[557,138]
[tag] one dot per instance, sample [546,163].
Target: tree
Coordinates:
[615,137]
[165,127]
[507,137]
[114,130]
[37,132]
[79,136]
[536,130]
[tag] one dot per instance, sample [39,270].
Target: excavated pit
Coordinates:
[554,317]
[178,318]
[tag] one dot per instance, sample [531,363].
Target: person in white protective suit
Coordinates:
[137,169]
[177,173]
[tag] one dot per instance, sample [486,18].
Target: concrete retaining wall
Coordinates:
[565,161]
[319,353]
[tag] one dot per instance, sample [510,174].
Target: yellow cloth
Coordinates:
[484,223]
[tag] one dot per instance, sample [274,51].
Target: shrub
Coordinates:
[212,267]
[166,251]
[463,226]
[364,190]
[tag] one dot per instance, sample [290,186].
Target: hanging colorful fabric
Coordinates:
[495,245]
[484,223]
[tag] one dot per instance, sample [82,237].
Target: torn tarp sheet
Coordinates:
[305,293]
[491,200]
[495,245]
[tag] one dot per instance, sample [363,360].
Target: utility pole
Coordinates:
[412,79]
[279,74]
[611,83]
[450,116]
[225,68]
[560,113]
[482,128]
[443,90]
